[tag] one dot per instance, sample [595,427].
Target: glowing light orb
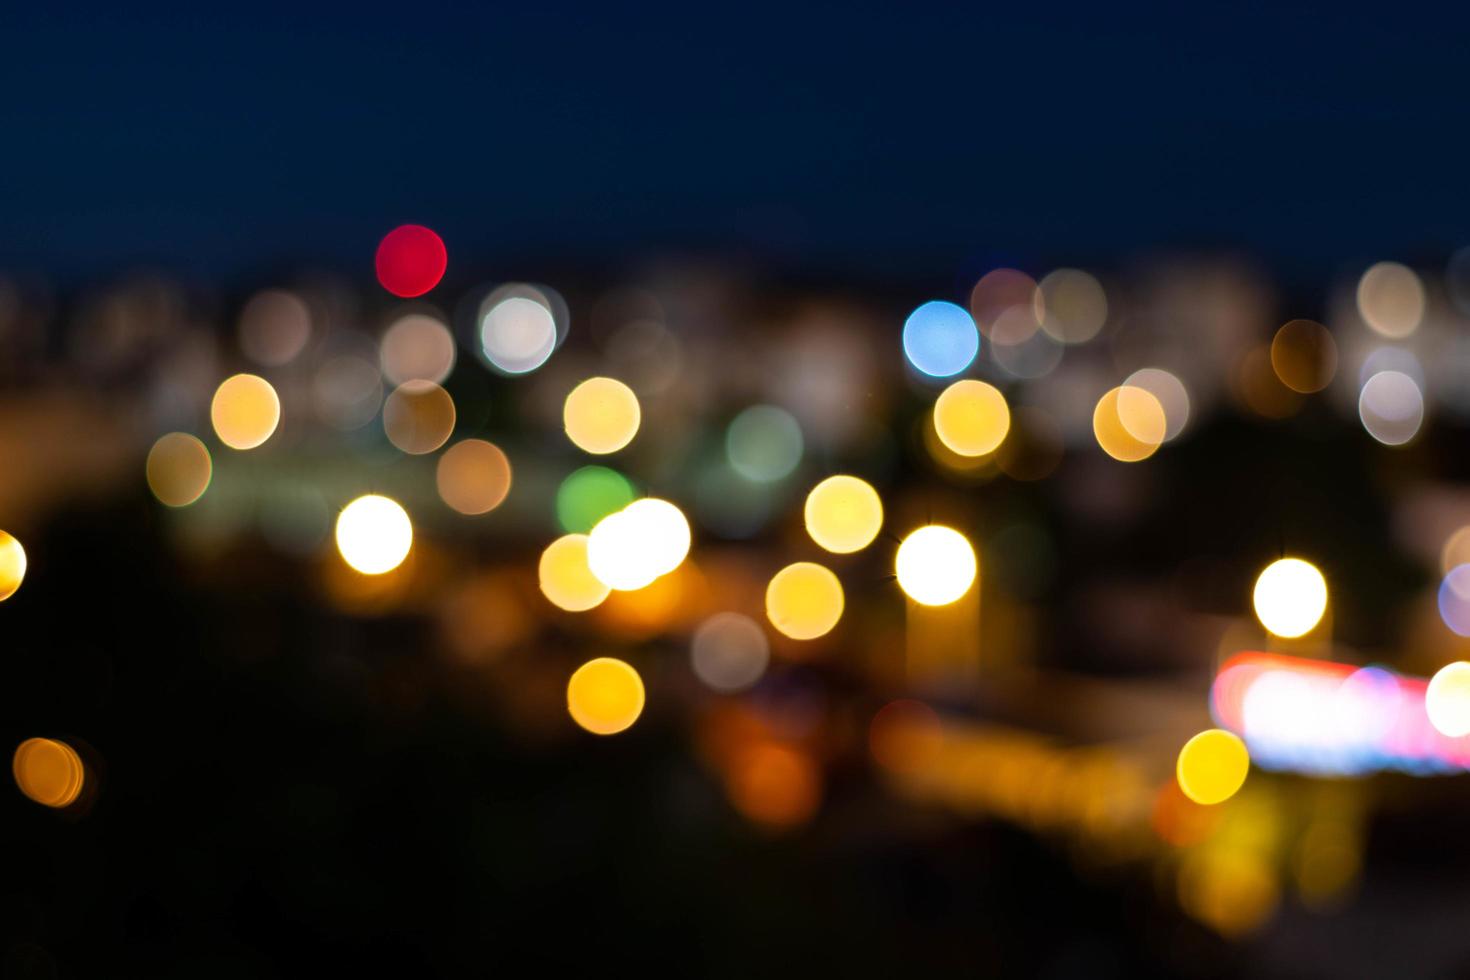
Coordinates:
[843,514]
[940,339]
[1447,699]
[12,565]
[1304,356]
[48,771]
[764,443]
[178,469]
[605,696]
[1290,597]
[1391,407]
[936,565]
[1212,766]
[1391,299]
[517,329]
[1129,424]
[616,555]
[601,415]
[665,532]
[1172,396]
[418,417]
[971,418]
[473,476]
[804,600]
[374,534]
[565,577]
[590,494]
[628,549]
[411,260]
[245,411]
[729,652]
[1454,600]
[417,347]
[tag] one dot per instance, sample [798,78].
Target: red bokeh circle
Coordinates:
[411,260]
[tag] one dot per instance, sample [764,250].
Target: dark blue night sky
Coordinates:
[872,138]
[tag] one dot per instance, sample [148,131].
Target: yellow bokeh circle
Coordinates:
[245,411]
[1212,766]
[843,514]
[12,565]
[565,577]
[971,418]
[1129,423]
[804,600]
[605,696]
[601,415]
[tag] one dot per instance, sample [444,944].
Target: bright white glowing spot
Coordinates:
[1290,597]
[935,565]
[627,550]
[374,534]
[1447,699]
[665,532]
[517,331]
[1391,299]
[1172,395]
[417,348]
[729,652]
[616,555]
[1391,407]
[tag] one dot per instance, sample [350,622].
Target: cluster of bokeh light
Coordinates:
[468,404]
